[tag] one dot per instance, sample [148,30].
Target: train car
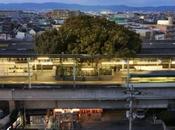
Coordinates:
[164,76]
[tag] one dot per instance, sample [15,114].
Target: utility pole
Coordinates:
[128,75]
[131,96]
[130,91]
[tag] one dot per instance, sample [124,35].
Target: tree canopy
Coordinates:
[89,35]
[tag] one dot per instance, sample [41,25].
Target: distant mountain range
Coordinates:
[51,5]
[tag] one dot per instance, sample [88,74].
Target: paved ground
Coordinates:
[122,125]
[170,128]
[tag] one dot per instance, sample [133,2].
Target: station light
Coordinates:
[68,63]
[147,62]
[87,69]
[7,63]
[110,63]
[148,68]
[46,63]
[43,58]
[116,62]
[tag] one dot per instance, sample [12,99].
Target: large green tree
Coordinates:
[89,35]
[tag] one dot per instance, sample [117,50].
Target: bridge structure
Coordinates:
[53,69]
[82,81]
[108,96]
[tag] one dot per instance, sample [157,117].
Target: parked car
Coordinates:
[140,114]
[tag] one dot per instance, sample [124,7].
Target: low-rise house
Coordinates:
[32,32]
[20,35]
[4,36]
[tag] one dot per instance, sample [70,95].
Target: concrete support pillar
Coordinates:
[29,73]
[27,119]
[23,119]
[35,67]
[169,65]
[74,72]
[11,106]
[113,73]
[123,66]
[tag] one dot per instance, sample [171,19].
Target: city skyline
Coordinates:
[102,2]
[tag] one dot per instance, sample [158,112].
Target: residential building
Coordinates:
[62,14]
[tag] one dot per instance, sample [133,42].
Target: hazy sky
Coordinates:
[102,2]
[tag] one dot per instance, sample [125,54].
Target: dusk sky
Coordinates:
[102,2]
